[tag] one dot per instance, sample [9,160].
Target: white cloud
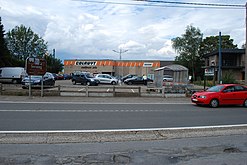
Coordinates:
[78,29]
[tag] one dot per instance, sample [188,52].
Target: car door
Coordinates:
[241,94]
[82,79]
[229,96]
[107,79]
[102,79]
[139,80]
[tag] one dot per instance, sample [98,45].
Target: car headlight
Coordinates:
[36,81]
[92,80]
[203,97]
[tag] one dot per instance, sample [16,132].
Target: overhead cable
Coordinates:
[153,3]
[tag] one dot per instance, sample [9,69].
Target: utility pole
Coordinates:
[245,58]
[220,61]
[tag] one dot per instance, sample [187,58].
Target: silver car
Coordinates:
[106,79]
[168,78]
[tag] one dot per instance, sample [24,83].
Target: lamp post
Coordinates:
[120,56]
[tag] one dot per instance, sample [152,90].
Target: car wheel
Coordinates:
[74,82]
[129,83]
[88,83]
[113,83]
[245,103]
[214,103]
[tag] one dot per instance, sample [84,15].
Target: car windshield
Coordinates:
[215,88]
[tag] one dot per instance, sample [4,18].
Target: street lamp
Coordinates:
[120,52]
[120,55]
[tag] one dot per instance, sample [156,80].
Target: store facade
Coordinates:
[115,67]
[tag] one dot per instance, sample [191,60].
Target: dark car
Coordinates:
[84,78]
[224,94]
[137,80]
[67,76]
[127,77]
[48,81]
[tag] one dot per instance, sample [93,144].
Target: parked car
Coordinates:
[137,80]
[84,78]
[59,77]
[106,79]
[168,78]
[12,74]
[48,80]
[67,76]
[225,94]
[127,77]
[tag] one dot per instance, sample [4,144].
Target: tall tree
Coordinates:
[23,42]
[5,58]
[211,43]
[187,46]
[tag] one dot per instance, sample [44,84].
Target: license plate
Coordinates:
[194,99]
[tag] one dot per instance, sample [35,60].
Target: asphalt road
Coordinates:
[43,116]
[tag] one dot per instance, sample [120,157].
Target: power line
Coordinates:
[174,4]
[195,3]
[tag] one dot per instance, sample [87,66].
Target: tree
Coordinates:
[210,44]
[23,42]
[5,58]
[54,65]
[187,46]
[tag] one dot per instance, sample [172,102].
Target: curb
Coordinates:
[89,136]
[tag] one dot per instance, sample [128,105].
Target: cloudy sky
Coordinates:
[83,29]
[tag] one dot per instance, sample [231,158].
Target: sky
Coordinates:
[92,29]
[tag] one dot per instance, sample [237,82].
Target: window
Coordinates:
[240,88]
[229,89]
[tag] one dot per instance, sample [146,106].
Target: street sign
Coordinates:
[209,72]
[35,66]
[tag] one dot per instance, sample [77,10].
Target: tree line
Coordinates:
[191,47]
[21,42]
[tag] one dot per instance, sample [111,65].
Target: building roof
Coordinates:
[226,51]
[174,67]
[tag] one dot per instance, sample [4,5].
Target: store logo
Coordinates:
[147,64]
[87,63]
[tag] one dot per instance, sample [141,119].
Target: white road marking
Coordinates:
[130,130]
[83,111]
[89,103]
[132,90]
[81,89]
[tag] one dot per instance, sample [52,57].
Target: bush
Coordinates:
[228,78]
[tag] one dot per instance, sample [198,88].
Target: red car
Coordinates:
[224,94]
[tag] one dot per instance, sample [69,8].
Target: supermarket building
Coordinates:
[115,67]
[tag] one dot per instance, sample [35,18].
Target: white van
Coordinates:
[12,74]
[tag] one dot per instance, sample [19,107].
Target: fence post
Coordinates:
[59,90]
[139,91]
[87,92]
[1,88]
[163,91]
[114,91]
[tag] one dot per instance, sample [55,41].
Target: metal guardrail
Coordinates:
[101,90]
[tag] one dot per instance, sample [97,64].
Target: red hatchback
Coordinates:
[224,94]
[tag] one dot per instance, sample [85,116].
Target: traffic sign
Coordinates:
[35,66]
